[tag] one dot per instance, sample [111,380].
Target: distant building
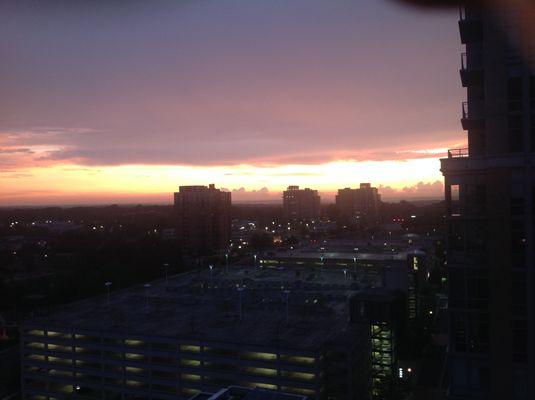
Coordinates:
[203,219]
[489,189]
[362,202]
[299,204]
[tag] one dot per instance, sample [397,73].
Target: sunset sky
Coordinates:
[114,102]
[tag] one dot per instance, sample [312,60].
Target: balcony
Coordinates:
[470,26]
[458,153]
[470,76]
[469,120]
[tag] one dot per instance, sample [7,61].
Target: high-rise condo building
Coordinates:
[489,190]
[362,202]
[203,219]
[299,204]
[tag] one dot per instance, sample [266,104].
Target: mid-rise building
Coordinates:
[363,202]
[201,332]
[203,219]
[489,190]
[300,204]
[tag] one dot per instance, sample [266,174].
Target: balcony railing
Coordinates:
[458,153]
[470,14]
[471,74]
[470,26]
[462,13]
[464,62]
[470,119]
[464,109]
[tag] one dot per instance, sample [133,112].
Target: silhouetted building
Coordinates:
[203,219]
[363,202]
[489,193]
[300,204]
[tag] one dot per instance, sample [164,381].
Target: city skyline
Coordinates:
[123,104]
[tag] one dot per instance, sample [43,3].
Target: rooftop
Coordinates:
[340,255]
[205,305]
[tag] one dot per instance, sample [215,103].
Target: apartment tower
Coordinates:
[363,202]
[489,189]
[300,204]
[203,219]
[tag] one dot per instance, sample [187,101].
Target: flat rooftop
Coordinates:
[338,255]
[205,305]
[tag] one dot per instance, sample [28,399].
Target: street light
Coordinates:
[226,263]
[166,267]
[355,264]
[147,287]
[108,288]
[211,269]
[255,260]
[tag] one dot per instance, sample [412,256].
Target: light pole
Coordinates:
[355,264]
[166,268]
[255,261]
[108,288]
[226,263]
[147,287]
[211,269]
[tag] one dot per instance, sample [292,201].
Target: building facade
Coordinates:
[60,363]
[203,219]
[489,190]
[300,204]
[363,202]
[380,310]
[199,332]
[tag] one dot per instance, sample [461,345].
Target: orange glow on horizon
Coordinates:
[74,184]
